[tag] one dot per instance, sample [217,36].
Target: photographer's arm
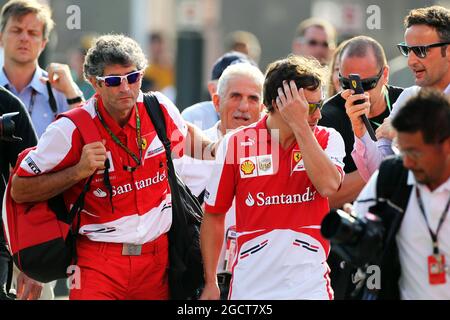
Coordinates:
[47,185]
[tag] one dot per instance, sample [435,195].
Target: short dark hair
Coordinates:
[20,8]
[359,47]
[306,72]
[427,112]
[436,17]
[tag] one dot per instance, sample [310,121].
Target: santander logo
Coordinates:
[267,200]
[250,201]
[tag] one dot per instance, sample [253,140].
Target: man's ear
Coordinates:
[386,75]
[216,102]
[212,88]
[95,84]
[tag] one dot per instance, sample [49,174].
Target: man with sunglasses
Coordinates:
[122,246]
[280,172]
[364,56]
[316,38]
[427,47]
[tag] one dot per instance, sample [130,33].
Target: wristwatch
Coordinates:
[75,100]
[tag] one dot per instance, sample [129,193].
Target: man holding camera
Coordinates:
[9,149]
[420,228]
[364,56]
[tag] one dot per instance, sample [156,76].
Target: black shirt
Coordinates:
[334,116]
[9,150]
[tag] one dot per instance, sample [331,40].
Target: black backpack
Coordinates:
[185,259]
[393,192]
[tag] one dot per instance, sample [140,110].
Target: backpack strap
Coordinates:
[84,123]
[392,188]
[156,115]
[51,99]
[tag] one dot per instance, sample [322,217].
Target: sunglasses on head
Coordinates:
[419,51]
[115,81]
[367,84]
[314,106]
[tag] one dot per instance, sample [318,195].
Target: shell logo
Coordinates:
[247,167]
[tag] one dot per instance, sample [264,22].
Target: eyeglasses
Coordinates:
[115,81]
[367,84]
[314,106]
[315,43]
[419,51]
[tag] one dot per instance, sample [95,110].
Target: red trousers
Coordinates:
[106,274]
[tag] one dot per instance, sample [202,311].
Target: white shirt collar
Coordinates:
[443,187]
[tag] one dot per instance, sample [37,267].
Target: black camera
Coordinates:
[7,127]
[358,241]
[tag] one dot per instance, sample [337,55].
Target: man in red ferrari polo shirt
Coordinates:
[281,171]
[123,247]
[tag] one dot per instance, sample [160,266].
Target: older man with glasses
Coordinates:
[427,39]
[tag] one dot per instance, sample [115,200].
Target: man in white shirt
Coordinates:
[423,234]
[427,46]
[238,101]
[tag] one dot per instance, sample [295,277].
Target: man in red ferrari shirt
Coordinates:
[123,248]
[281,171]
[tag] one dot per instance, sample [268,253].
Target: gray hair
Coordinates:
[112,49]
[239,70]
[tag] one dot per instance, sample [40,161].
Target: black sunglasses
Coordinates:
[367,84]
[419,51]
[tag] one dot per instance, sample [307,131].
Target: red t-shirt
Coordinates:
[281,253]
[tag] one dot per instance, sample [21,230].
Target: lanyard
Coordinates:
[388,103]
[118,142]
[434,236]
[32,100]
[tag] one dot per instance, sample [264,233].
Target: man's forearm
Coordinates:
[368,155]
[321,171]
[198,145]
[43,187]
[211,239]
[350,189]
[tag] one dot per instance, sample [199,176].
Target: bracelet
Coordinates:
[75,100]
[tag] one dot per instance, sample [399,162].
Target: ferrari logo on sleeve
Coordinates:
[297,156]
[297,161]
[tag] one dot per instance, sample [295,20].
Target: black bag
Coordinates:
[185,259]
